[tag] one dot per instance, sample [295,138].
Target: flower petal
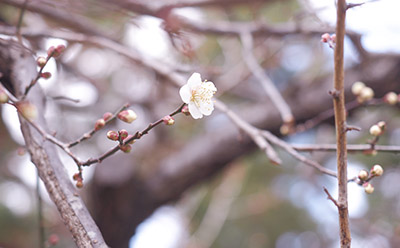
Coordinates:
[206,108]
[209,86]
[194,111]
[194,80]
[185,93]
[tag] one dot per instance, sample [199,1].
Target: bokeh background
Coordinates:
[203,183]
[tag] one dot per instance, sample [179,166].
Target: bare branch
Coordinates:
[269,87]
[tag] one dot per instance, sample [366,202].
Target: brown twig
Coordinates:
[331,198]
[340,124]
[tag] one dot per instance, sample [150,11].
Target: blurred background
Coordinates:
[203,183]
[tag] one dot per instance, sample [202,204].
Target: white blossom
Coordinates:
[197,94]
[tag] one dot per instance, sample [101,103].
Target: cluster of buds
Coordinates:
[168,120]
[330,39]
[362,92]
[377,129]
[127,115]
[391,98]
[3,96]
[42,61]
[79,180]
[364,177]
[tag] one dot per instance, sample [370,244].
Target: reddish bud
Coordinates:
[100,123]
[3,96]
[107,116]
[53,239]
[79,184]
[45,75]
[27,110]
[333,38]
[21,151]
[185,110]
[127,116]
[325,37]
[51,51]
[123,134]
[76,177]
[112,135]
[41,61]
[60,49]
[126,148]
[168,120]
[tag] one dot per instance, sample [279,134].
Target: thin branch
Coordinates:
[331,198]
[93,131]
[267,84]
[40,212]
[350,148]
[289,149]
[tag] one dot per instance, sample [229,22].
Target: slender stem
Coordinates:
[341,129]
[20,18]
[40,212]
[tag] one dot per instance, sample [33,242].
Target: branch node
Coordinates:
[334,93]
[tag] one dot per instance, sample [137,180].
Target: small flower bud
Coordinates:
[357,87]
[285,129]
[107,116]
[27,110]
[53,239]
[123,134]
[100,123]
[325,37]
[41,61]
[51,51]
[363,175]
[76,177]
[382,125]
[3,96]
[377,170]
[185,110]
[369,189]
[60,49]
[126,148]
[112,135]
[391,98]
[45,75]
[21,151]
[366,94]
[168,120]
[375,130]
[333,38]
[127,116]
[79,184]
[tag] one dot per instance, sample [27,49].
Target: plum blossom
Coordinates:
[197,94]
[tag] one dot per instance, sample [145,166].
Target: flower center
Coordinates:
[202,94]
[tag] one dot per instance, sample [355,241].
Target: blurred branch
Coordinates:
[66,19]
[219,207]
[268,86]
